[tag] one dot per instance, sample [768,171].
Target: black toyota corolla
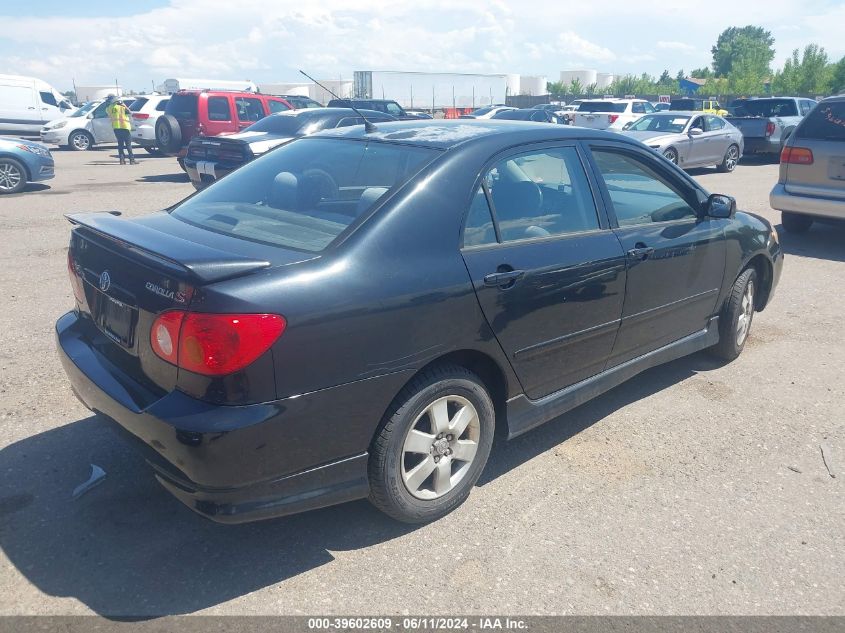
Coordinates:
[349,315]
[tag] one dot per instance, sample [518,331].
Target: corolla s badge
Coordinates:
[105,280]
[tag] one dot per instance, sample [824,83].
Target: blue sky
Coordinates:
[138,43]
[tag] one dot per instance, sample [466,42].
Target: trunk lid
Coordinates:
[751,127]
[127,272]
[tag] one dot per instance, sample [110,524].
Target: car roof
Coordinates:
[682,113]
[324,112]
[451,133]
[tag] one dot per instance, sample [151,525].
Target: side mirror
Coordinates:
[720,206]
[90,115]
[696,131]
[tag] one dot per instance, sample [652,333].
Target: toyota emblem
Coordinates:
[105,280]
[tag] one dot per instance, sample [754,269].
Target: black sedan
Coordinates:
[351,314]
[211,157]
[529,114]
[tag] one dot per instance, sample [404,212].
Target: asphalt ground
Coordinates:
[695,488]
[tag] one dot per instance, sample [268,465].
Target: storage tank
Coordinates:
[586,77]
[533,85]
[513,83]
[603,80]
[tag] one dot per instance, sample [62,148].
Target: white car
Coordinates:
[610,114]
[83,129]
[486,113]
[145,112]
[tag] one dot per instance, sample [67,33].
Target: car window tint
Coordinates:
[825,122]
[637,108]
[541,193]
[805,108]
[277,106]
[138,104]
[162,105]
[48,98]
[479,225]
[639,194]
[393,109]
[218,109]
[697,122]
[100,112]
[649,108]
[304,194]
[714,123]
[249,109]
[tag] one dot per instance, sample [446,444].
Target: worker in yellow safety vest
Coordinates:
[122,126]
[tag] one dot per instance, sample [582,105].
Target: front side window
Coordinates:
[304,194]
[698,122]
[100,112]
[394,109]
[277,106]
[637,108]
[715,123]
[541,193]
[648,107]
[218,109]
[48,98]
[639,194]
[660,123]
[249,109]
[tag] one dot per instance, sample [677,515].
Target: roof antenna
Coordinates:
[369,127]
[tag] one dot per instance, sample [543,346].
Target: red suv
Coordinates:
[210,113]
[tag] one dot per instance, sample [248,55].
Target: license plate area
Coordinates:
[116,320]
[836,168]
[206,168]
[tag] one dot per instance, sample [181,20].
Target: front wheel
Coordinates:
[432,445]
[12,176]
[671,155]
[80,141]
[730,160]
[737,315]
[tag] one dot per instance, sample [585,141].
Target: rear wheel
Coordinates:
[80,141]
[12,176]
[432,445]
[168,134]
[671,155]
[737,315]
[730,160]
[795,222]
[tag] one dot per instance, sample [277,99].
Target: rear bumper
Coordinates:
[782,200]
[211,171]
[231,464]
[756,145]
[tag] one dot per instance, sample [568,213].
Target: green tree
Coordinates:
[681,75]
[556,88]
[702,73]
[837,79]
[750,47]
[576,87]
[591,90]
[809,74]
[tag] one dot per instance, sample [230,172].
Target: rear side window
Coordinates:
[640,195]
[714,123]
[304,194]
[183,106]
[249,109]
[277,106]
[479,229]
[806,106]
[218,109]
[826,122]
[162,105]
[138,104]
[48,98]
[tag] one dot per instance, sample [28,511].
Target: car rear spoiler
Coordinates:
[193,262]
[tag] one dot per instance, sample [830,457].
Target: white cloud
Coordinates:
[676,46]
[572,44]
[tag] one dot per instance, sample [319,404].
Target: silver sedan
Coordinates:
[690,139]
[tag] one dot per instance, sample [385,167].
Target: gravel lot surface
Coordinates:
[696,488]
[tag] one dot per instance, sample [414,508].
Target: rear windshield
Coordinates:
[602,106]
[686,104]
[304,194]
[182,106]
[138,104]
[767,108]
[825,122]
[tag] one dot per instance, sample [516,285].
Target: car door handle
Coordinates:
[640,253]
[506,278]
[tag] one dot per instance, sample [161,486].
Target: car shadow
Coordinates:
[507,455]
[180,177]
[129,549]
[824,240]
[31,187]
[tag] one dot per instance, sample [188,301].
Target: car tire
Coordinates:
[420,478]
[168,134]
[730,160]
[671,154]
[737,316]
[80,141]
[13,176]
[795,222]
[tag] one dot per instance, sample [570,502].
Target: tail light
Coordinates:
[75,280]
[611,118]
[214,344]
[770,128]
[140,116]
[796,156]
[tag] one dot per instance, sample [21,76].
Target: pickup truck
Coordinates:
[767,123]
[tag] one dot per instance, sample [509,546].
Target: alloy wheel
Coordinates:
[10,176]
[440,447]
[731,158]
[81,141]
[671,156]
[743,323]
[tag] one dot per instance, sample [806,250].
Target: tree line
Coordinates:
[742,65]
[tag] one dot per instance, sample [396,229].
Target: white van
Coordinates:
[27,103]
